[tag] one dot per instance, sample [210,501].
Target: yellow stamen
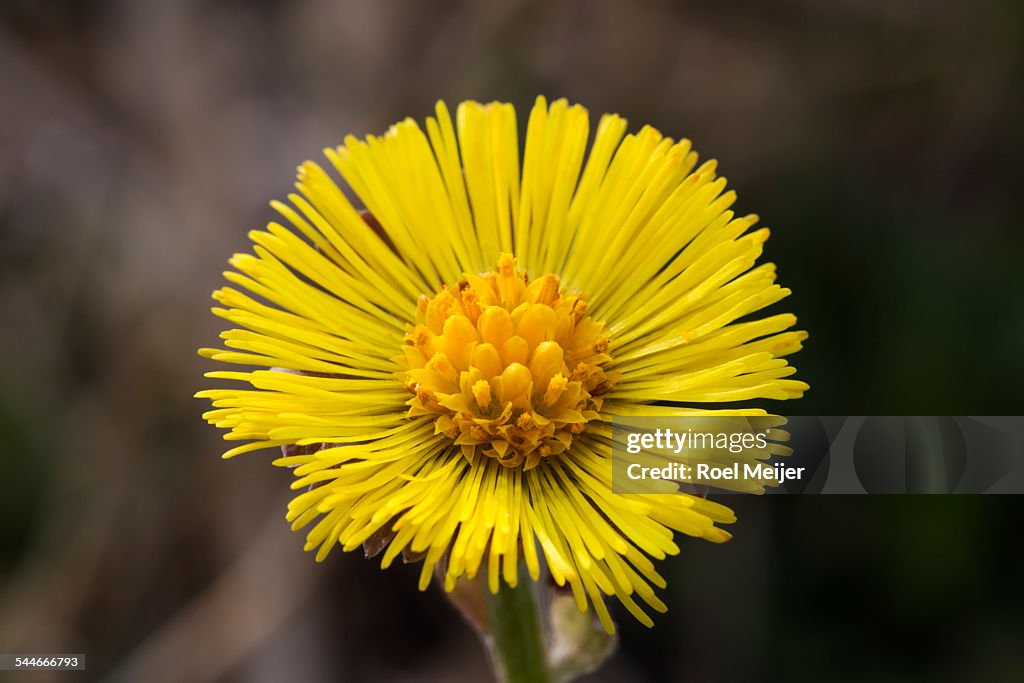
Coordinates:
[482,393]
[556,387]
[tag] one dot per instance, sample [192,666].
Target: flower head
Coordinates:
[442,368]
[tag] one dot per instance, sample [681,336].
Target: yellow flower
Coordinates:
[442,369]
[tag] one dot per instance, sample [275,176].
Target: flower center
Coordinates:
[512,368]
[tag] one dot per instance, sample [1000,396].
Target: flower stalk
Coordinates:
[517,642]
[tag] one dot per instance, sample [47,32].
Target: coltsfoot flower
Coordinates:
[441,369]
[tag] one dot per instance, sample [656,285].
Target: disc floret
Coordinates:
[513,368]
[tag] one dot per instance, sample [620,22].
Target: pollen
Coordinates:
[513,368]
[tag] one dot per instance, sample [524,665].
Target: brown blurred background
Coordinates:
[140,140]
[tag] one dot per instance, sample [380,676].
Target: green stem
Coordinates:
[517,647]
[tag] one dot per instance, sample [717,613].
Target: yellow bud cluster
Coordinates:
[512,368]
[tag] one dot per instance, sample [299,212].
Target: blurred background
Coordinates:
[141,139]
